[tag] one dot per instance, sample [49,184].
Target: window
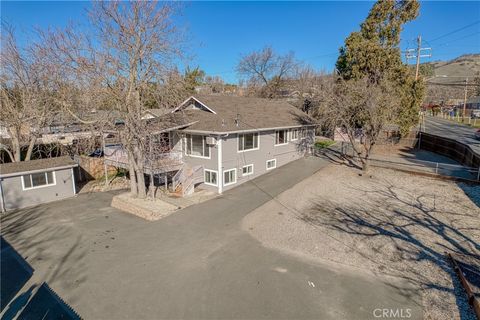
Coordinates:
[280,137]
[229,177]
[271,164]
[210,177]
[36,180]
[248,141]
[247,170]
[197,146]
[294,134]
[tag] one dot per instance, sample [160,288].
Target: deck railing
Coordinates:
[166,161]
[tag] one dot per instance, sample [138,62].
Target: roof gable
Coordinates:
[193,103]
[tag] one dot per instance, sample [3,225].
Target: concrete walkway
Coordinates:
[195,264]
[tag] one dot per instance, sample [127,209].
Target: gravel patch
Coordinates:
[389,223]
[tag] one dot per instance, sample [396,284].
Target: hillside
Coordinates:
[456,70]
[446,79]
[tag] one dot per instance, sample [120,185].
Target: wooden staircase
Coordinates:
[183,182]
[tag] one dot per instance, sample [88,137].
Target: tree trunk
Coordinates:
[152,186]
[142,192]
[17,154]
[366,165]
[31,145]
[133,176]
[10,155]
[139,165]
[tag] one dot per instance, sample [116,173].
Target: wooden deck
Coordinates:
[166,162]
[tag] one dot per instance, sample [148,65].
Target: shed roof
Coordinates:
[231,114]
[35,165]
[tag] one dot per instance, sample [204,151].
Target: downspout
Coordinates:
[73,183]
[220,160]
[2,199]
[219,165]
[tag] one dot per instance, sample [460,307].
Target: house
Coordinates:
[473,103]
[223,141]
[28,183]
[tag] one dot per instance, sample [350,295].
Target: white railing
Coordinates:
[162,162]
[177,178]
[118,154]
[115,153]
[194,176]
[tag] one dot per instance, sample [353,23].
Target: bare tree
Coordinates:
[362,109]
[25,95]
[266,71]
[307,85]
[125,64]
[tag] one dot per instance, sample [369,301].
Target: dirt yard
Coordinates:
[389,223]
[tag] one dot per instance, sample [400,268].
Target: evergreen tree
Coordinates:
[193,78]
[374,53]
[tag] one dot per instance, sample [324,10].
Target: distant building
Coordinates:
[473,103]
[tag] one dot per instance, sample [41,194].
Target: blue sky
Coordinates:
[220,32]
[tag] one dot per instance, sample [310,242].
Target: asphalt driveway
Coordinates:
[196,263]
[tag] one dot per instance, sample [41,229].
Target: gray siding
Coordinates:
[178,144]
[15,197]
[233,159]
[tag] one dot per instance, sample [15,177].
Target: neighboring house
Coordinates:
[155,113]
[224,141]
[473,103]
[28,183]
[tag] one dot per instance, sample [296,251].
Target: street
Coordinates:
[449,129]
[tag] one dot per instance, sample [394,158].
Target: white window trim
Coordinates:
[286,138]
[208,183]
[274,161]
[39,187]
[247,174]
[298,134]
[223,176]
[195,156]
[258,141]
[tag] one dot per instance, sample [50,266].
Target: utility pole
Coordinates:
[465,100]
[417,53]
[419,45]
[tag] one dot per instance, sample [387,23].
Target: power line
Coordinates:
[461,38]
[455,31]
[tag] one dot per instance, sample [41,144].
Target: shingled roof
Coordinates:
[222,114]
[35,165]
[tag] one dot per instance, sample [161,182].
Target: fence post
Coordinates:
[436,168]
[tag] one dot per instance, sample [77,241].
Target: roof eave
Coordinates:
[246,130]
[19,173]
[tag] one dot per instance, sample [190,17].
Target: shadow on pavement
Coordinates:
[46,304]
[15,272]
